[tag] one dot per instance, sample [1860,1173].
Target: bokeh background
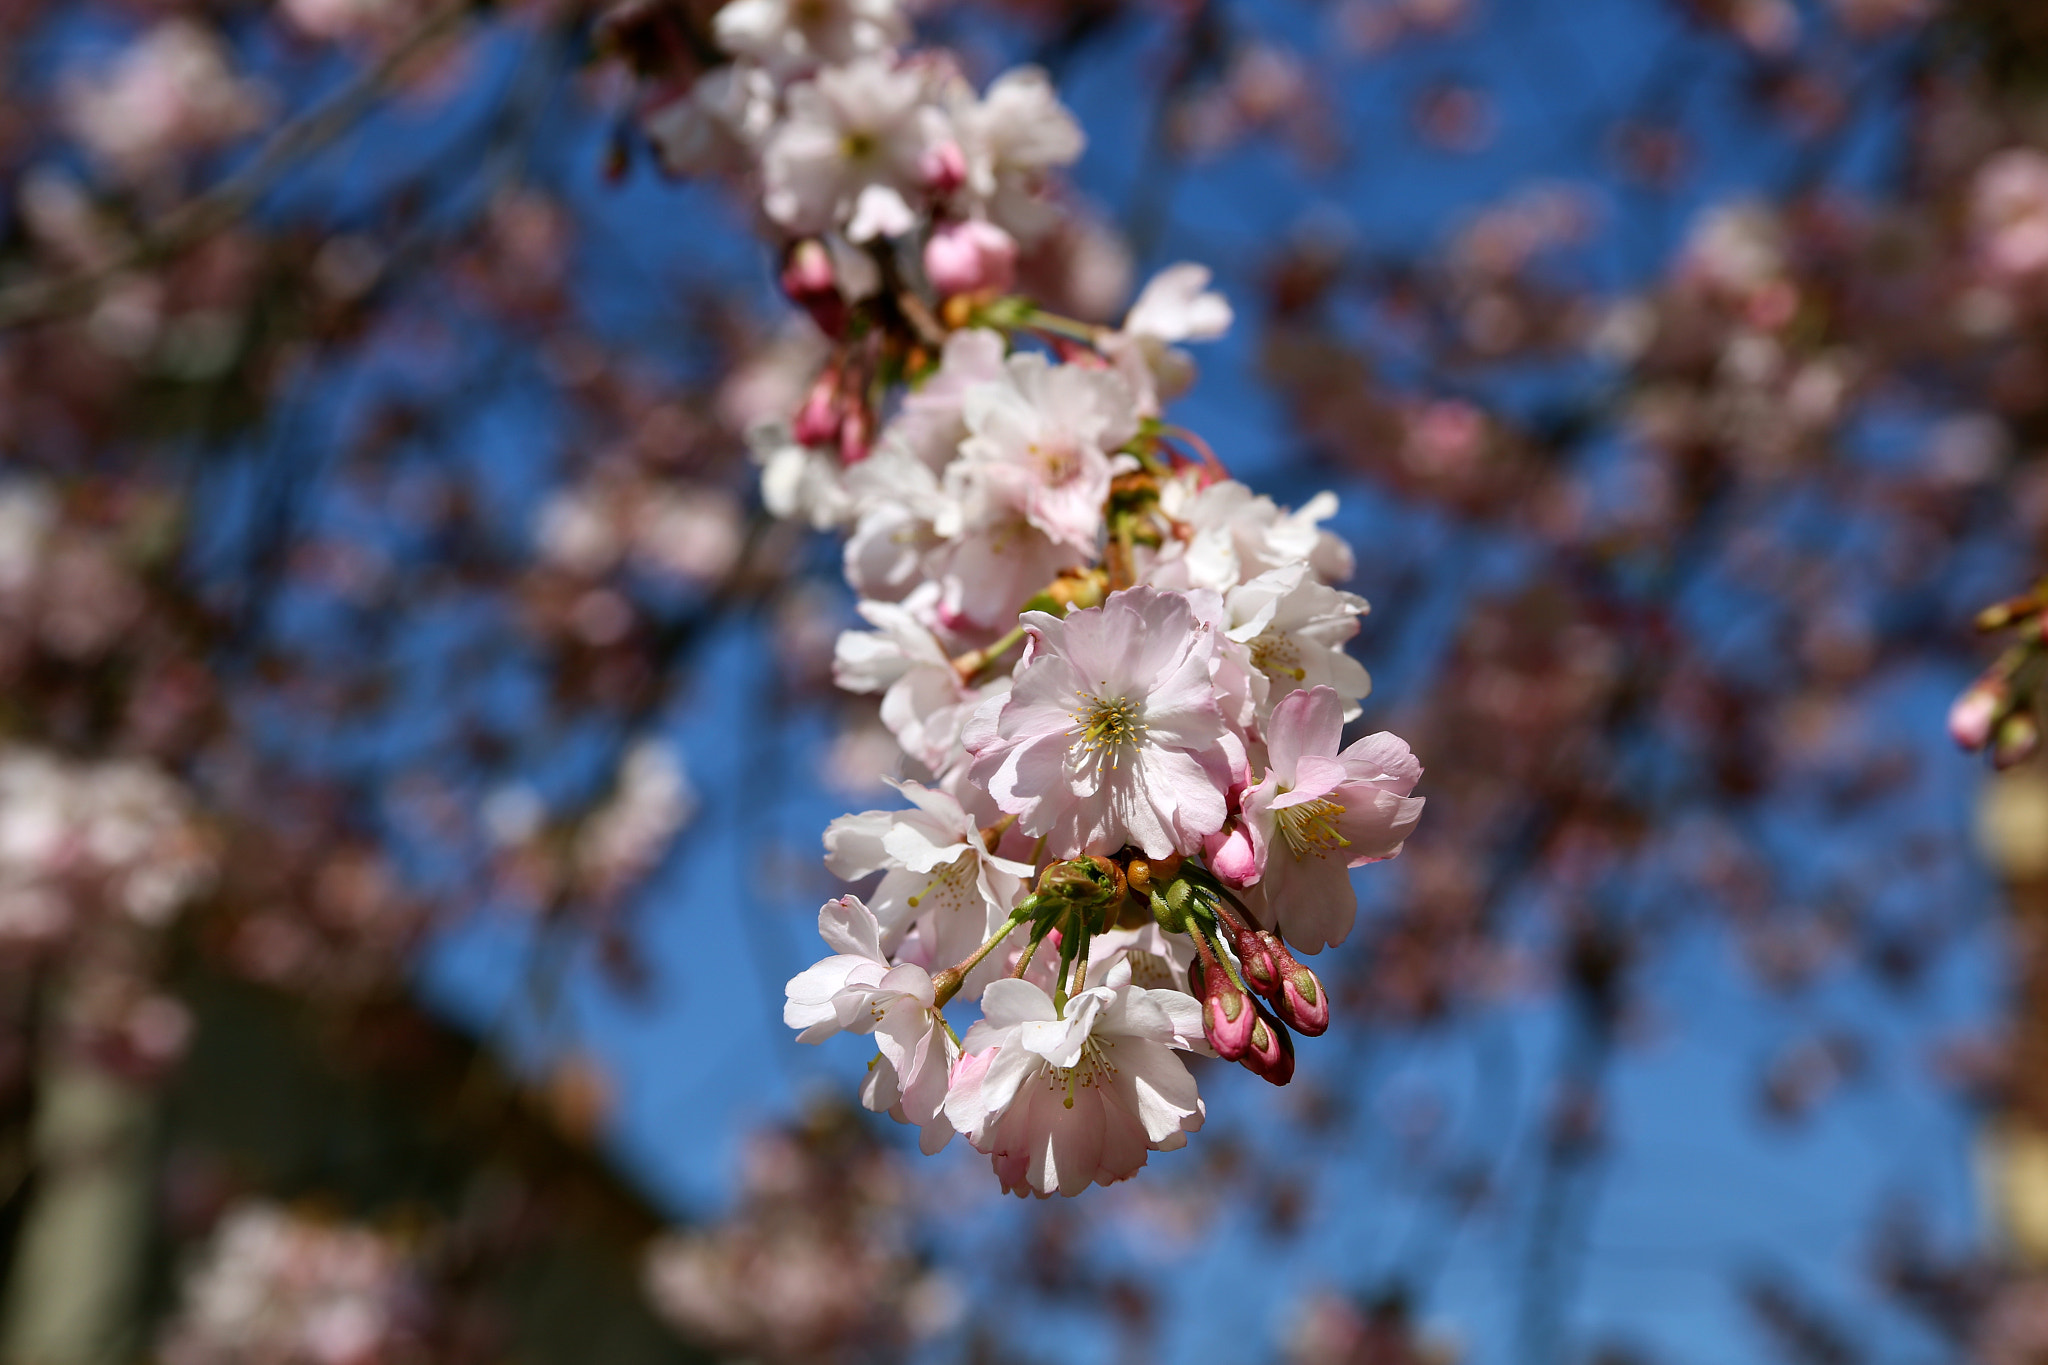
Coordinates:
[415,740]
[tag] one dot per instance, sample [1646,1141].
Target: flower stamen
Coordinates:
[1108,727]
[1311,828]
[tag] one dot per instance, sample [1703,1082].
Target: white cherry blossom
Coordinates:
[1234,534]
[850,149]
[1011,139]
[925,702]
[1061,1100]
[787,34]
[940,880]
[1039,444]
[857,991]
[1293,629]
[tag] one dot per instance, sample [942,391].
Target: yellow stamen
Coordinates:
[1311,827]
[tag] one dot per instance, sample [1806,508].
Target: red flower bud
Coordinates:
[1303,1001]
[1271,1052]
[1261,968]
[1976,711]
[817,421]
[812,285]
[943,167]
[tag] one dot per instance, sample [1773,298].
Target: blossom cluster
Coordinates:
[1117,675]
[816,1260]
[278,1288]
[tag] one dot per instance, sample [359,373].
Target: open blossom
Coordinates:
[1010,139]
[1063,1100]
[1293,629]
[1317,813]
[850,150]
[940,880]
[1039,443]
[1236,535]
[794,33]
[1175,305]
[925,702]
[858,991]
[1111,734]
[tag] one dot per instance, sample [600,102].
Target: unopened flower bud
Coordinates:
[1271,1050]
[973,257]
[1231,856]
[812,285]
[943,167]
[1228,1017]
[817,421]
[2019,735]
[1974,713]
[1261,969]
[1302,1001]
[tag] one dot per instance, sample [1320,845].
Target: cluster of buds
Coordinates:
[1998,709]
[1117,675]
[1253,989]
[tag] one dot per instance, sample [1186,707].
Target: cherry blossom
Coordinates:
[1111,734]
[1319,812]
[851,150]
[1064,1098]
[940,880]
[858,991]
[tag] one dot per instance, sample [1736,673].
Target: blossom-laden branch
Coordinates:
[1118,839]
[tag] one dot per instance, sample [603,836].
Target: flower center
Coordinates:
[1094,1068]
[1273,652]
[950,886]
[858,145]
[1105,727]
[1311,828]
[1058,461]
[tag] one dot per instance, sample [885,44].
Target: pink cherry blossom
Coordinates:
[1065,1099]
[1111,734]
[1039,443]
[1318,813]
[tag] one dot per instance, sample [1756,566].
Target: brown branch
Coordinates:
[184,227]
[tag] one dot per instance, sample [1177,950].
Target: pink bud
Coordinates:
[1261,969]
[1228,1017]
[1271,1053]
[817,421]
[971,258]
[943,167]
[1231,856]
[1302,1001]
[1974,713]
[812,284]
[2019,735]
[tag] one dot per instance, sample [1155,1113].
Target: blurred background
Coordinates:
[415,740]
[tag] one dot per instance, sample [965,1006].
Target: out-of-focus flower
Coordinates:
[274,1288]
[169,93]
